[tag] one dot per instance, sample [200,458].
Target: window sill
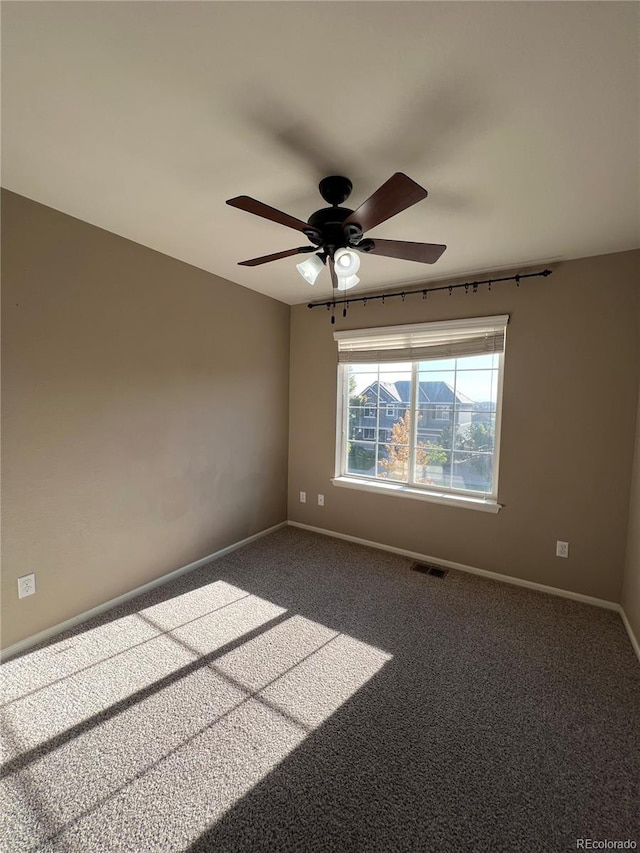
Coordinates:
[443,498]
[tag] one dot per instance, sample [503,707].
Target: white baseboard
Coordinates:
[27,643]
[539,587]
[496,576]
[632,636]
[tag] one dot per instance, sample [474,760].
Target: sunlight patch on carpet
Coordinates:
[70,701]
[60,659]
[166,727]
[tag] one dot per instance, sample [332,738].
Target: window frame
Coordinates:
[410,489]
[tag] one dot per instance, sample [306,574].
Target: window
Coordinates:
[444,443]
[369,411]
[391,411]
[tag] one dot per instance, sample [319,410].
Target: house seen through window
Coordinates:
[420,407]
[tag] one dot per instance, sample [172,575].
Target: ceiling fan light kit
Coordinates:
[310,269]
[347,263]
[336,232]
[348,282]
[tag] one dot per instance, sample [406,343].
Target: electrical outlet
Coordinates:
[303,497]
[562,549]
[320,500]
[26,585]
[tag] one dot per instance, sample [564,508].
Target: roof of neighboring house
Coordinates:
[389,387]
[429,392]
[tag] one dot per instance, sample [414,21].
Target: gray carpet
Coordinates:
[307,694]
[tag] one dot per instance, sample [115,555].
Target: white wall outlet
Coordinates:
[320,500]
[562,549]
[26,585]
[303,497]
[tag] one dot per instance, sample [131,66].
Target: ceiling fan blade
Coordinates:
[332,270]
[251,205]
[424,253]
[394,196]
[265,259]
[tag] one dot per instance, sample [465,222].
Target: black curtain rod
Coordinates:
[424,290]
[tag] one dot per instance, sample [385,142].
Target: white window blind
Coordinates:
[423,341]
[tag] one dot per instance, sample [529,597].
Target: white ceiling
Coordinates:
[521,119]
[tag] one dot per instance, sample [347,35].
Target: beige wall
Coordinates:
[570,391]
[133,443]
[631,580]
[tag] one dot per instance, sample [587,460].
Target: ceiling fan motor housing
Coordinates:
[327,231]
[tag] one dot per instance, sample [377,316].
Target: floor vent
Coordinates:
[430,569]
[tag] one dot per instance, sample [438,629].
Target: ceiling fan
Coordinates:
[335,231]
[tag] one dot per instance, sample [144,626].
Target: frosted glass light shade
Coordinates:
[347,263]
[347,282]
[310,269]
